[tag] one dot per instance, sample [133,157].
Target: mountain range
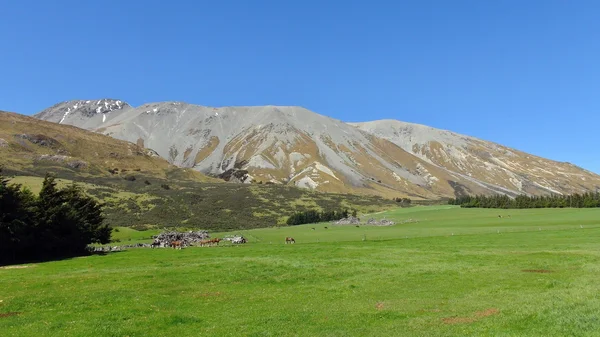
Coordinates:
[294,146]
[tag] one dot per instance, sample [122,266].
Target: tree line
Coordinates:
[312,216]
[56,223]
[586,200]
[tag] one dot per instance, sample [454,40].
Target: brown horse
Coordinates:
[176,244]
[210,242]
[289,240]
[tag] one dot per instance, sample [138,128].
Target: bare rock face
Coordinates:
[152,153]
[54,158]
[3,143]
[292,145]
[510,170]
[78,164]
[40,140]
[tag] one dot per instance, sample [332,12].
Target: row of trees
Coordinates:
[312,216]
[586,200]
[55,223]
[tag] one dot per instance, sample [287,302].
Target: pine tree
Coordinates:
[17,216]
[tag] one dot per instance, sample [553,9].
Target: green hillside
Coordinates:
[150,202]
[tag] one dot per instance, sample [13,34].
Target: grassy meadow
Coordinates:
[455,272]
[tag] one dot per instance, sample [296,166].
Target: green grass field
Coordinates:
[533,274]
[432,221]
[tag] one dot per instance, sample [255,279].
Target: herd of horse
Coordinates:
[180,244]
[210,242]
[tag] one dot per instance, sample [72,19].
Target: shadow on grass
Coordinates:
[20,261]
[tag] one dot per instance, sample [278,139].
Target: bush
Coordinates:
[312,216]
[403,201]
[56,223]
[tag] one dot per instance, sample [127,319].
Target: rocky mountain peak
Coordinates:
[81,110]
[293,145]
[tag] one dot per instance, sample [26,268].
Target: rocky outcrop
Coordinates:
[188,238]
[347,221]
[41,140]
[382,222]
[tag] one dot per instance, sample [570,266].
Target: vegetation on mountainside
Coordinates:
[212,206]
[586,200]
[55,223]
[313,216]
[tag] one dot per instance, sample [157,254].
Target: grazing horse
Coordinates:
[214,241]
[290,240]
[204,242]
[176,244]
[154,244]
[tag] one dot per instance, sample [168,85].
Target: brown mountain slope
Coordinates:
[32,146]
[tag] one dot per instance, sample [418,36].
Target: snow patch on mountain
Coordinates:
[65,116]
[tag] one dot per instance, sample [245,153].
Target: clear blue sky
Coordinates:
[522,73]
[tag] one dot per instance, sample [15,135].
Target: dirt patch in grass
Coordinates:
[458,320]
[487,312]
[14,267]
[474,318]
[541,271]
[9,314]
[379,306]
